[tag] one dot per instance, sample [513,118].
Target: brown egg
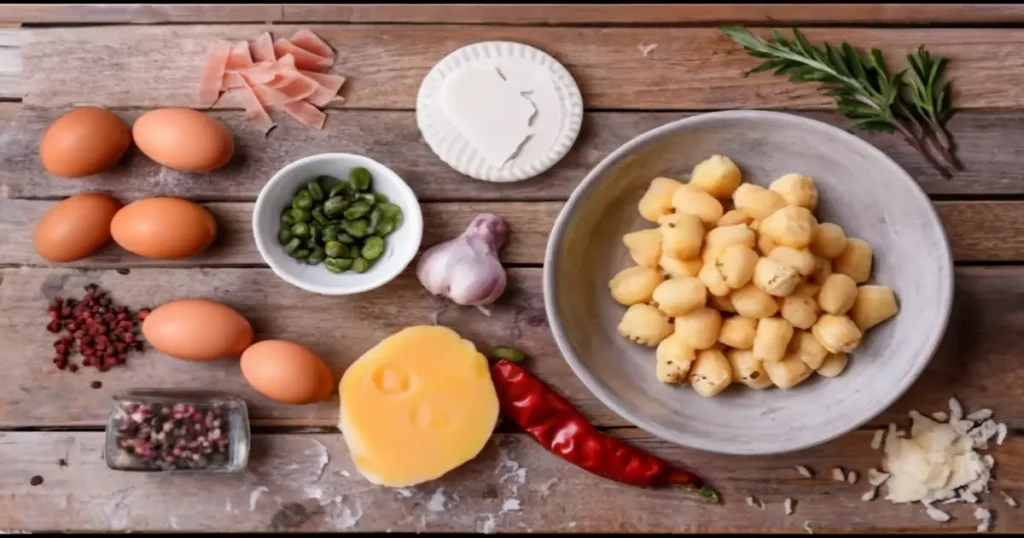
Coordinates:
[75,227]
[183,139]
[197,330]
[165,228]
[83,142]
[286,372]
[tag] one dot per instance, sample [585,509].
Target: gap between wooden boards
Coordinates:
[978,232]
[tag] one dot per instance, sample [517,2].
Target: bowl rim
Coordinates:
[413,216]
[598,388]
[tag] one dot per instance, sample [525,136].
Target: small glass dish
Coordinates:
[159,430]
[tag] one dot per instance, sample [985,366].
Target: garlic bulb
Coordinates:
[466,269]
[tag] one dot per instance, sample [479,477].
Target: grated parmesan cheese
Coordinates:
[804,471]
[851,477]
[956,411]
[936,514]
[869,495]
[979,415]
[838,475]
[876,441]
[940,416]
[1001,433]
[807,527]
[876,477]
[788,505]
[984,517]
[1010,501]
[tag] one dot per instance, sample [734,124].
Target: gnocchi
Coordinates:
[635,285]
[795,290]
[717,175]
[657,201]
[644,246]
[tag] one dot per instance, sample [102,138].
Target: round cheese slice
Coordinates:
[416,406]
[499,111]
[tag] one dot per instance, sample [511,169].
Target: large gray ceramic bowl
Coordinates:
[861,189]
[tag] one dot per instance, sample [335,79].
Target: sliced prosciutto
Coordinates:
[269,74]
[311,42]
[263,48]
[213,73]
[303,58]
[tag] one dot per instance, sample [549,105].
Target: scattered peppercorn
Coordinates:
[62,462]
[36,480]
[102,332]
[96,384]
[178,436]
[123,271]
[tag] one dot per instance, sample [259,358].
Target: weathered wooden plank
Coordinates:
[7,113]
[690,69]
[986,145]
[10,62]
[978,361]
[530,223]
[138,13]
[662,14]
[978,231]
[519,14]
[308,483]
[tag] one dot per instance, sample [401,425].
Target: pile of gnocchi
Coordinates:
[761,294]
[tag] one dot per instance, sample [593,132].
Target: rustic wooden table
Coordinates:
[53,57]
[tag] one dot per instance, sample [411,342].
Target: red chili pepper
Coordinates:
[561,429]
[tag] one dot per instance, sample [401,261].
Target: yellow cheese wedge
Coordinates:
[416,406]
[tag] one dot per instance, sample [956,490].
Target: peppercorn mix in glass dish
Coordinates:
[154,430]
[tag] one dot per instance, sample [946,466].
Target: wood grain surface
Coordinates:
[691,69]
[978,232]
[306,482]
[978,357]
[10,61]
[392,138]
[518,14]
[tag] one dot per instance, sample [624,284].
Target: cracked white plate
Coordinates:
[545,82]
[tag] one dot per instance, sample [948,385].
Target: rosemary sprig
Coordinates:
[864,89]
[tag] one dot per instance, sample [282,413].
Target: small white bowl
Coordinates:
[400,247]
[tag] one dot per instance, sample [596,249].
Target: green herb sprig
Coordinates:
[916,104]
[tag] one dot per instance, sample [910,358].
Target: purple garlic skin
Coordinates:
[466,269]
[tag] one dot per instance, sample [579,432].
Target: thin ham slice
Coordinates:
[260,73]
[253,109]
[274,98]
[233,80]
[263,48]
[329,85]
[213,72]
[239,58]
[311,42]
[303,58]
[307,114]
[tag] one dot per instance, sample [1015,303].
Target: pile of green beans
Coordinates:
[340,223]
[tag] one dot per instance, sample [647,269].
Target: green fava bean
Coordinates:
[346,238]
[385,227]
[335,249]
[303,200]
[300,229]
[331,232]
[381,198]
[292,246]
[355,228]
[319,218]
[301,254]
[315,234]
[373,248]
[367,197]
[316,256]
[391,211]
[287,218]
[335,206]
[315,190]
[356,210]
[510,354]
[284,236]
[375,217]
[342,188]
[360,265]
[299,215]
[360,178]
[338,265]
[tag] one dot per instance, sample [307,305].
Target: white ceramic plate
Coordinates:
[517,61]
[861,189]
[400,246]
